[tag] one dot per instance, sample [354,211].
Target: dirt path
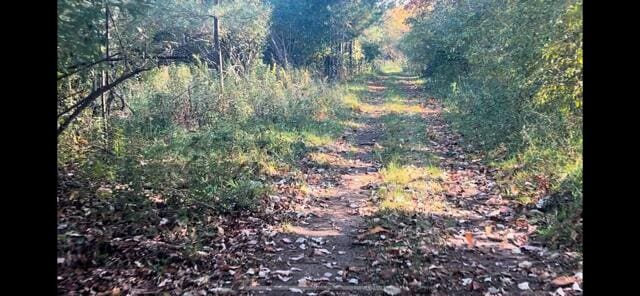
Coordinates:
[445,230]
[448,231]
[321,250]
[397,205]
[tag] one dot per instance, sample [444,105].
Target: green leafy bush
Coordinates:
[510,76]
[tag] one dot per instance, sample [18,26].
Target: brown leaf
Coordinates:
[374,230]
[469,238]
[476,286]
[115,291]
[387,273]
[563,280]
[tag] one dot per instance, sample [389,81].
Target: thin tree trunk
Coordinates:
[216,44]
[351,57]
[110,95]
[103,82]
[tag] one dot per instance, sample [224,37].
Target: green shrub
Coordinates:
[510,76]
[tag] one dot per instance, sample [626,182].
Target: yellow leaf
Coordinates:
[488,229]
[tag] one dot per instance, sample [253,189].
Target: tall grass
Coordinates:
[218,147]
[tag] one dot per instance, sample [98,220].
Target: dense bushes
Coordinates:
[510,75]
[221,148]
[140,98]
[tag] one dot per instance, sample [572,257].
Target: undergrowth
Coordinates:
[223,150]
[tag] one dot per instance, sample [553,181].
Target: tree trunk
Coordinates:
[110,94]
[103,101]
[216,44]
[351,57]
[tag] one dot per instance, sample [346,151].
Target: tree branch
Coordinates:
[84,103]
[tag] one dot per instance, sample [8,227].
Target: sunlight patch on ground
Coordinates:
[352,124]
[324,159]
[401,108]
[352,102]
[315,139]
[312,232]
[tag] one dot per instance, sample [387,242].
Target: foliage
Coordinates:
[510,74]
[318,34]
[179,137]
[387,33]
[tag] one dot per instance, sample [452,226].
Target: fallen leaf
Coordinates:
[103,192]
[392,290]
[329,265]
[523,286]
[286,240]
[295,290]
[115,291]
[466,281]
[353,281]
[576,287]
[563,280]
[525,264]
[506,280]
[296,258]
[264,272]
[282,272]
[283,278]
[493,290]
[488,229]
[320,252]
[202,280]
[578,275]
[560,292]
[388,273]
[303,282]
[476,286]
[469,239]
[374,230]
